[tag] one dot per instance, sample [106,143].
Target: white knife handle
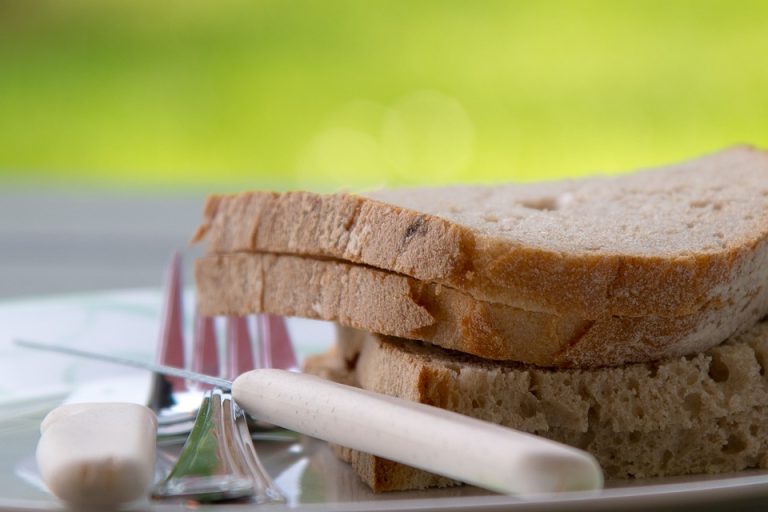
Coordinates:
[439,441]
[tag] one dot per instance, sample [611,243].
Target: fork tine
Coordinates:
[218,461]
[275,343]
[239,347]
[171,345]
[205,356]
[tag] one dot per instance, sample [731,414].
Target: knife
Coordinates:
[436,440]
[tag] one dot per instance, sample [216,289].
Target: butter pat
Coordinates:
[98,453]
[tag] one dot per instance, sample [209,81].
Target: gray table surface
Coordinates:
[60,241]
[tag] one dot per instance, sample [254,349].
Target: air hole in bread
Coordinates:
[761,362]
[417,227]
[633,385]
[665,458]
[593,415]
[753,430]
[692,403]
[533,387]
[718,370]
[542,203]
[639,412]
[584,440]
[699,203]
[735,444]
[527,407]
[635,436]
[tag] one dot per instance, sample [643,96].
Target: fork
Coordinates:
[218,460]
[173,399]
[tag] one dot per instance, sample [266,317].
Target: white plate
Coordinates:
[125,323]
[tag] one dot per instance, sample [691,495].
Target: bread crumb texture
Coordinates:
[699,414]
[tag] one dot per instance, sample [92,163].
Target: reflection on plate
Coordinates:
[124,323]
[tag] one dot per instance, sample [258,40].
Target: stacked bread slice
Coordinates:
[607,280]
[704,413]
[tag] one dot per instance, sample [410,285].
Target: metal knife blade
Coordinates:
[157,368]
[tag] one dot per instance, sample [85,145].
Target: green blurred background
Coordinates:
[326,94]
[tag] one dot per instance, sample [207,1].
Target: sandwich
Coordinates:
[577,310]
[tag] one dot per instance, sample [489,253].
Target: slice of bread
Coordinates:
[393,304]
[734,443]
[706,413]
[664,242]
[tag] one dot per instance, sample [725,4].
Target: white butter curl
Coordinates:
[98,454]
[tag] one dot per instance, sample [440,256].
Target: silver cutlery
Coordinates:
[176,400]
[484,454]
[218,460]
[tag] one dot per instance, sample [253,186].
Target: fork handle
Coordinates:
[443,442]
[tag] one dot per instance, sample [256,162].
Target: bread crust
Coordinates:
[584,281]
[393,304]
[383,475]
